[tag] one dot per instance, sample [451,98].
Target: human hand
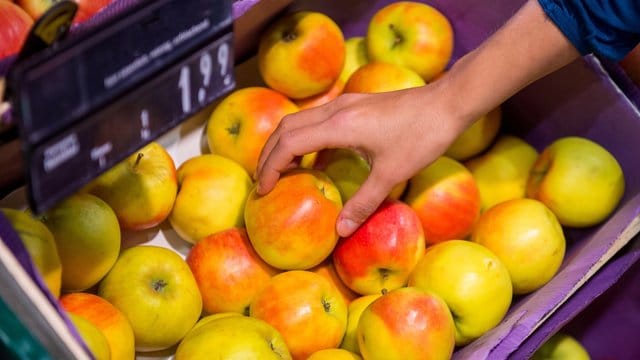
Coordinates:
[398,133]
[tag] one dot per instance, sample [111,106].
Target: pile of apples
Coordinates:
[434,268]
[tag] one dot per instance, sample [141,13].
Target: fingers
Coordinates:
[363,203]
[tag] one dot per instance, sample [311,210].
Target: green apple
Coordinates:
[233,337]
[155,289]
[561,347]
[473,282]
[354,311]
[141,189]
[578,179]
[92,337]
[502,172]
[40,245]
[477,137]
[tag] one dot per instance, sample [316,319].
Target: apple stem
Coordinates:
[140,155]
[289,36]
[384,291]
[397,37]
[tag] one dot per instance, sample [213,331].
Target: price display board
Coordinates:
[89,103]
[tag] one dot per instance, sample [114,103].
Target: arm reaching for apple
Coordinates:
[401,132]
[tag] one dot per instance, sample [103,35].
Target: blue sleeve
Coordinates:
[609,28]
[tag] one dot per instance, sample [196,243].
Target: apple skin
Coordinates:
[242,122]
[413,35]
[471,280]
[578,179]
[334,354]
[502,172]
[13,35]
[301,54]
[92,337]
[155,289]
[377,77]
[403,324]
[86,8]
[476,138]
[305,308]
[383,251]
[235,337]
[527,237]
[561,346]
[228,271]
[112,323]
[41,246]
[209,184]
[354,311]
[141,190]
[328,271]
[293,227]
[446,198]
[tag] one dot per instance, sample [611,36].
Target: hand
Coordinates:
[398,133]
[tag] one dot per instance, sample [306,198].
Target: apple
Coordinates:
[446,198]
[328,271]
[41,246]
[235,337]
[407,323]
[413,35]
[471,280]
[348,171]
[209,184]
[354,311]
[502,172]
[383,251]
[301,54]
[320,99]
[87,236]
[241,123]
[293,227]
[561,346]
[527,237]
[207,318]
[334,354]
[86,8]
[477,137]
[305,308]
[578,179]
[113,324]
[92,336]
[141,190]
[228,271]
[631,65]
[377,77]
[15,24]
[155,289]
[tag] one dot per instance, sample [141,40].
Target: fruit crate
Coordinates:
[580,99]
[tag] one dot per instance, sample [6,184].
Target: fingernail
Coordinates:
[346,227]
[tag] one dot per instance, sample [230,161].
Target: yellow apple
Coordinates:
[377,77]
[301,54]
[561,346]
[207,318]
[92,337]
[87,235]
[241,123]
[141,189]
[41,246]
[476,138]
[527,237]
[578,179]
[413,35]
[354,311]
[334,354]
[212,194]
[502,172]
[471,280]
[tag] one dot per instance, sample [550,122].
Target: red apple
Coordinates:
[15,24]
[382,253]
[293,227]
[228,271]
[446,197]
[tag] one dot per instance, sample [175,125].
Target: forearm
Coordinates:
[528,47]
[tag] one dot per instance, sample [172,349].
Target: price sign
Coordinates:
[75,125]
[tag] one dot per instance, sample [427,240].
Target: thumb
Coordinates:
[362,204]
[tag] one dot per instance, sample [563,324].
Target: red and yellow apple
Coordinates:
[446,198]
[471,280]
[141,190]
[477,137]
[354,311]
[242,122]
[293,227]
[413,35]
[334,354]
[211,197]
[301,54]
[527,237]
[383,251]
[578,179]
[377,77]
[16,24]
[406,324]
[328,271]
[305,308]
[228,271]
[113,324]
